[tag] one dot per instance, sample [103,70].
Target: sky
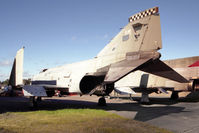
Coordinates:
[57,32]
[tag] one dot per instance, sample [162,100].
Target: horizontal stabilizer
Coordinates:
[159,68]
[121,69]
[156,67]
[34,90]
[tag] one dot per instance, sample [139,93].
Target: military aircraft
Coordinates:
[134,48]
[145,83]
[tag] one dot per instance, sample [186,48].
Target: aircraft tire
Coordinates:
[102,101]
[39,99]
[174,95]
[33,102]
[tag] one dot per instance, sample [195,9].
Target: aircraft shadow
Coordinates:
[153,100]
[143,112]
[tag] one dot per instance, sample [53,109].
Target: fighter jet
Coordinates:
[145,83]
[134,48]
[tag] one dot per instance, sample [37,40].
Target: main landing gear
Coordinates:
[33,103]
[174,95]
[145,98]
[102,101]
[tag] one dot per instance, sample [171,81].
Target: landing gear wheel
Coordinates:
[33,102]
[102,101]
[174,95]
[39,99]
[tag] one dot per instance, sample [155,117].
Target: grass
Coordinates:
[72,121]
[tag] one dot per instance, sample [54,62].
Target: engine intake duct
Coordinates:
[88,83]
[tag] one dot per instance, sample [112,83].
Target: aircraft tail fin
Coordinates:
[16,76]
[136,48]
[142,33]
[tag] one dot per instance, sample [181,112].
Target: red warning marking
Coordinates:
[196,64]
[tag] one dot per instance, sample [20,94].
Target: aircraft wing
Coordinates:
[41,89]
[34,90]
[156,67]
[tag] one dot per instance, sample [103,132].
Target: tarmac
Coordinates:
[177,116]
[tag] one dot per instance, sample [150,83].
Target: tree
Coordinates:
[27,81]
[5,83]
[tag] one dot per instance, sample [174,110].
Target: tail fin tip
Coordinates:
[143,14]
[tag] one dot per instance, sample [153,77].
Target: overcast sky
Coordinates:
[56,32]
